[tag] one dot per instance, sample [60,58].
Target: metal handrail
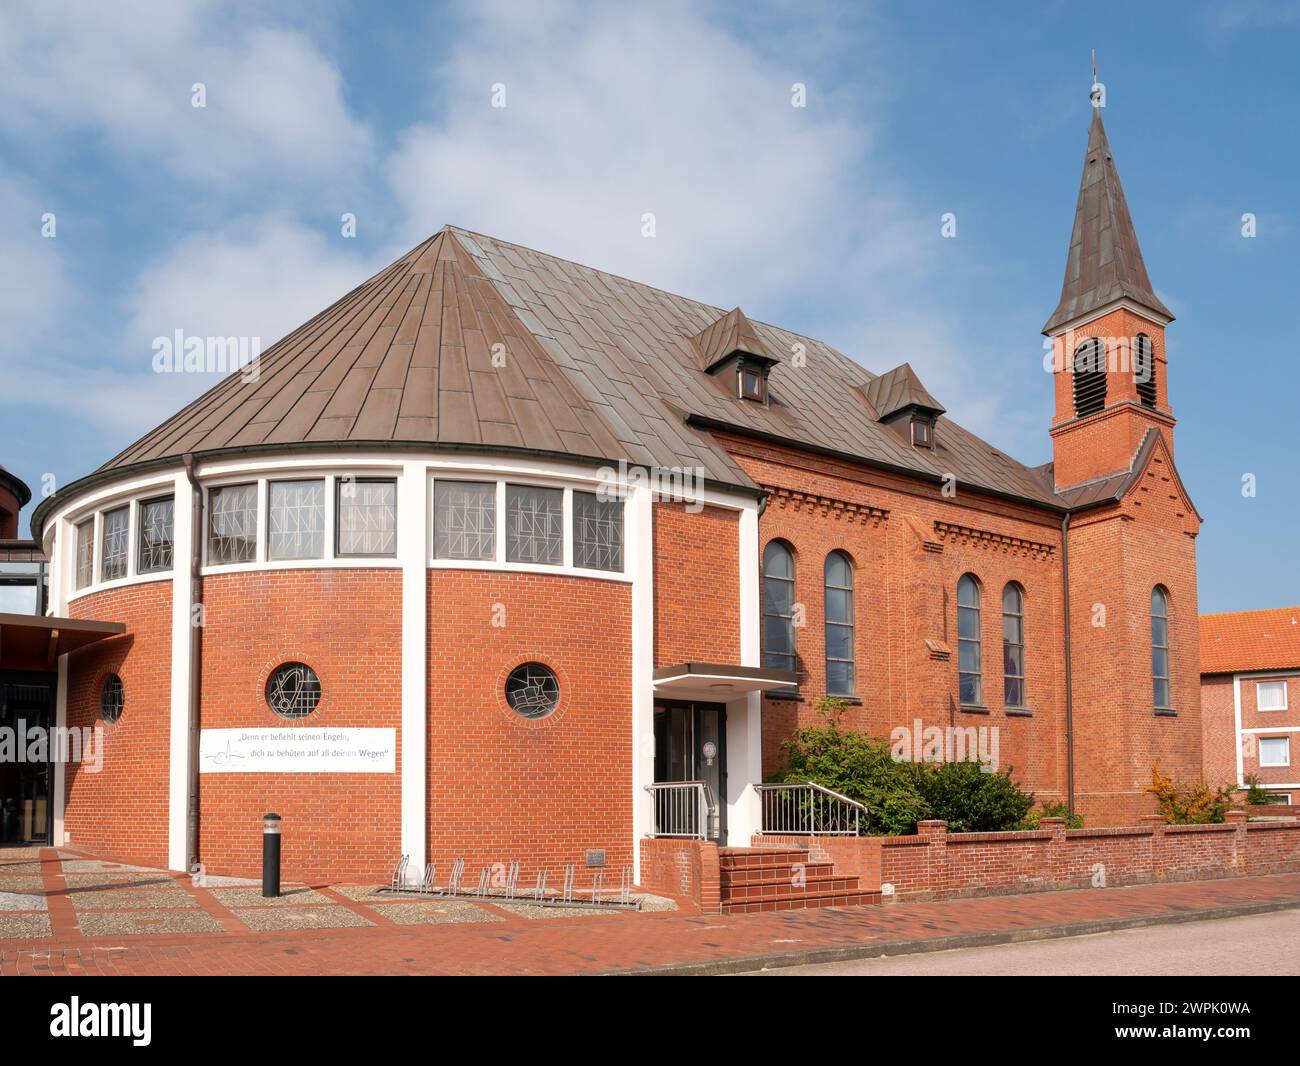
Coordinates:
[682,809]
[805,808]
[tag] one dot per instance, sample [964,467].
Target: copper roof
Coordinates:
[1105,262]
[1250,640]
[593,366]
[731,334]
[898,389]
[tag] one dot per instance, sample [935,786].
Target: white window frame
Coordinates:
[1286,740]
[1259,686]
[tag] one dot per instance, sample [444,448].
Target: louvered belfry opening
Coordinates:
[1144,369]
[1089,378]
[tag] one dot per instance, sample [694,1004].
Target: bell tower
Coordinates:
[1107,333]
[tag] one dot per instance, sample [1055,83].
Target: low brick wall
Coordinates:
[936,864]
[687,870]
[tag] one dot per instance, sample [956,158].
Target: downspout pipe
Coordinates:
[1069,688]
[196,659]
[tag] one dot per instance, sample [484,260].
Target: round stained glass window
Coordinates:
[293,690]
[112,698]
[532,690]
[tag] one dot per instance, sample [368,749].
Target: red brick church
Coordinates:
[505,558]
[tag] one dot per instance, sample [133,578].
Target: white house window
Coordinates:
[232,524]
[534,525]
[1271,695]
[85,553]
[464,520]
[1274,751]
[115,542]
[597,532]
[367,516]
[157,518]
[295,523]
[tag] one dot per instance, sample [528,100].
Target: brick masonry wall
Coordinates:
[1218,729]
[696,585]
[683,869]
[503,788]
[347,626]
[910,545]
[936,865]
[122,809]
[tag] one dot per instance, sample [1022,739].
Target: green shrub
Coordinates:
[897,795]
[970,799]
[1257,795]
[1196,804]
[1059,809]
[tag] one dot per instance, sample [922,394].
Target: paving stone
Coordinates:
[131,899]
[434,913]
[279,919]
[252,897]
[142,923]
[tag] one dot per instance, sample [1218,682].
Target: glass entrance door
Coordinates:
[691,745]
[25,810]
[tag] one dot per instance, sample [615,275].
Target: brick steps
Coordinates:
[754,880]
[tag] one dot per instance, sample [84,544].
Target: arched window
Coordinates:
[1160,646]
[1144,369]
[840,679]
[1089,369]
[778,606]
[970,672]
[1013,645]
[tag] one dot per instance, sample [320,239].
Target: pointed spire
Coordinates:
[1105,262]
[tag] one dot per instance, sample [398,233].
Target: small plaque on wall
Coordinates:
[298,751]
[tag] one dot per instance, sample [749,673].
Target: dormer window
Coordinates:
[753,383]
[922,432]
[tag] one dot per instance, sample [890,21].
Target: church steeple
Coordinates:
[1104,264]
[1108,332]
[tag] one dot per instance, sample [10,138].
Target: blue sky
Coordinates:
[225,220]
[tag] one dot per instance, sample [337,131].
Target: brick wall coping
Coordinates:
[1011,834]
[1252,826]
[898,841]
[1110,831]
[1220,827]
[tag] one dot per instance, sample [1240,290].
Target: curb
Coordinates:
[848,953]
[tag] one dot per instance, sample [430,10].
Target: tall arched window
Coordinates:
[970,673]
[1089,368]
[1013,645]
[840,679]
[1160,646]
[778,606]
[1144,369]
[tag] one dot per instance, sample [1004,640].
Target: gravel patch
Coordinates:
[444,912]
[21,884]
[296,896]
[361,892]
[220,881]
[22,901]
[99,866]
[24,926]
[532,911]
[153,879]
[654,903]
[281,919]
[132,899]
[141,923]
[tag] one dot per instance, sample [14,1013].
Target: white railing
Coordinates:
[684,809]
[802,808]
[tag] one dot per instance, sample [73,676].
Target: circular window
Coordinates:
[293,690]
[532,690]
[112,698]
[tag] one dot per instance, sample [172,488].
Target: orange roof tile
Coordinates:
[1250,640]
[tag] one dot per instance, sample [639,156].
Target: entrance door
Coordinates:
[691,745]
[26,812]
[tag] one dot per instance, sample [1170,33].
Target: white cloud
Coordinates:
[124,72]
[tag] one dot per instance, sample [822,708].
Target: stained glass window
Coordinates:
[464,520]
[532,690]
[597,532]
[232,524]
[85,553]
[295,519]
[367,516]
[157,518]
[112,699]
[114,544]
[534,525]
[293,690]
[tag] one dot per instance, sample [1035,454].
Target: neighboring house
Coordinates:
[432,514]
[1250,699]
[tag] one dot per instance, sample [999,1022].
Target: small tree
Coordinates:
[1194,804]
[1256,795]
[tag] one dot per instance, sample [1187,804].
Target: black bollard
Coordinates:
[271,856]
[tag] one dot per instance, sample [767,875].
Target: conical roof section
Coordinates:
[897,390]
[731,334]
[1105,262]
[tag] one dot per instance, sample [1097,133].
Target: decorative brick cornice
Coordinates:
[983,538]
[826,506]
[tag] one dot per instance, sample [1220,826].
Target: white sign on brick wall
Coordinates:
[306,750]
